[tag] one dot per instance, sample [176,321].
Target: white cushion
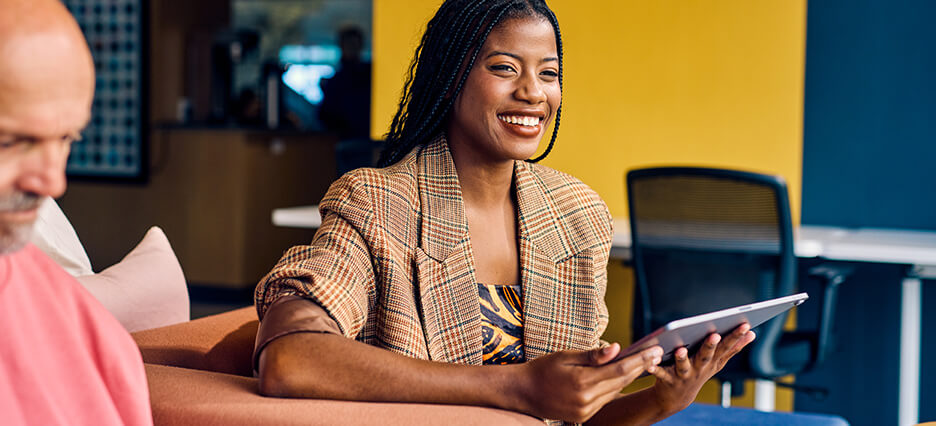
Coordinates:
[56,237]
[146,289]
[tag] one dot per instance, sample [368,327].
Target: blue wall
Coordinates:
[870,114]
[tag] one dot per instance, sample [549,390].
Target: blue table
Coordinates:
[704,414]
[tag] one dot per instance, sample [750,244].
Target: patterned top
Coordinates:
[501,324]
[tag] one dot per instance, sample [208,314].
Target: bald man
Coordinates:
[63,358]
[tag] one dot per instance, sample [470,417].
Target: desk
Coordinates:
[298,217]
[917,249]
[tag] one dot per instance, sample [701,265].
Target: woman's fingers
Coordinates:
[730,345]
[740,344]
[578,383]
[627,369]
[747,338]
[600,356]
[614,376]
[662,374]
[707,351]
[683,366]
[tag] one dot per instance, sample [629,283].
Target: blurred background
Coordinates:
[209,114]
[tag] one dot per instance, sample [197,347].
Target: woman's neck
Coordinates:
[484,185]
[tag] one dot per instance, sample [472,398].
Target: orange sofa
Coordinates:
[200,372]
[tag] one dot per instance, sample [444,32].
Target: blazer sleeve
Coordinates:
[336,270]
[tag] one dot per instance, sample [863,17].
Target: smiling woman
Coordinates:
[510,95]
[449,47]
[461,251]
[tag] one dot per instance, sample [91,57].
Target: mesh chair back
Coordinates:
[708,239]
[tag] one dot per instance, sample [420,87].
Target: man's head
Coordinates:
[46,89]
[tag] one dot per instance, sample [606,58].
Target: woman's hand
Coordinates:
[677,385]
[573,385]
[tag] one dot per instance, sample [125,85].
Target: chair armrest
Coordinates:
[184,396]
[830,277]
[221,343]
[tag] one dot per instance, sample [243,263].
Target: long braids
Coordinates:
[458,28]
[552,140]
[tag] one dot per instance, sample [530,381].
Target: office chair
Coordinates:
[708,239]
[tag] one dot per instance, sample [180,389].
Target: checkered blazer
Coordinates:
[392,261]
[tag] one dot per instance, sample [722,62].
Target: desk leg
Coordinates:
[911,312]
[765,395]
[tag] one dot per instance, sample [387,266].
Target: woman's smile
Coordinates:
[523,124]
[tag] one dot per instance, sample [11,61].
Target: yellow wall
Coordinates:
[651,82]
[688,82]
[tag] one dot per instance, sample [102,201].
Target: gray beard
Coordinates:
[14,237]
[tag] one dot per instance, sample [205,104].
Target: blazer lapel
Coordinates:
[444,267]
[544,245]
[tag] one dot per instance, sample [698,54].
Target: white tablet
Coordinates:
[690,332]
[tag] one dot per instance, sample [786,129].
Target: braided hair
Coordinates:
[447,52]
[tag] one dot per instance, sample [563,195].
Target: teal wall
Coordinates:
[869,154]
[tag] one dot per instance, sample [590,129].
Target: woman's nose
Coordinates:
[531,90]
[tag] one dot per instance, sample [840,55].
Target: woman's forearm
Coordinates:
[638,408]
[328,366]
[569,385]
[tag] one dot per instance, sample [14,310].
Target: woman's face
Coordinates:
[511,94]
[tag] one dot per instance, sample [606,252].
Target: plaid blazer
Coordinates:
[392,260]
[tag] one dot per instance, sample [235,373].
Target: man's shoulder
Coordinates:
[63,334]
[50,284]
[42,285]
[34,262]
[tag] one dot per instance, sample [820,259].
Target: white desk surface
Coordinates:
[298,217]
[833,243]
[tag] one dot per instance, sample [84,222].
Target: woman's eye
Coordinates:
[502,68]
[550,73]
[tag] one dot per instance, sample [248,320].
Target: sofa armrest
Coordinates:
[220,343]
[184,396]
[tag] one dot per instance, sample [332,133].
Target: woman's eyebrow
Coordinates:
[517,57]
[497,52]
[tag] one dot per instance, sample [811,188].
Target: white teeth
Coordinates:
[524,120]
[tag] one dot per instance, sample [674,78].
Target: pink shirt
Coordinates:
[63,358]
